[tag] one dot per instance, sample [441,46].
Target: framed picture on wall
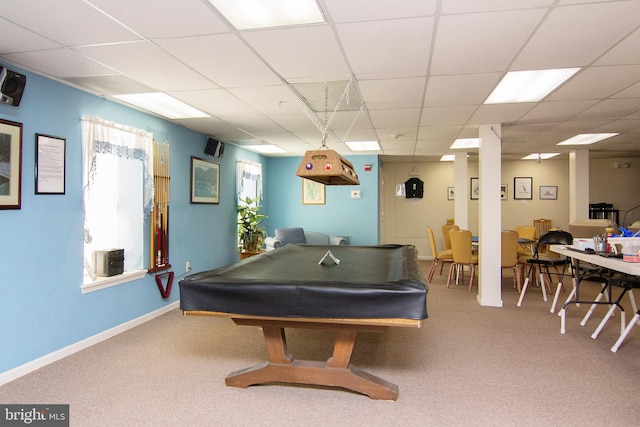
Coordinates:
[475,189]
[313,193]
[548,192]
[50,164]
[523,188]
[10,164]
[205,181]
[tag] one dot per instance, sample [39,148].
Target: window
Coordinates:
[117,194]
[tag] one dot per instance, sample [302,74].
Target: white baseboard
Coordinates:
[38,363]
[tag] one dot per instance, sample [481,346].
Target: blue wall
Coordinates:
[340,216]
[42,308]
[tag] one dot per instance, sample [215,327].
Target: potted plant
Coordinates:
[249,225]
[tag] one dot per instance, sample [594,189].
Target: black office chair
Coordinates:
[544,261]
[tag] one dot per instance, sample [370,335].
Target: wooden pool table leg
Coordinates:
[336,372]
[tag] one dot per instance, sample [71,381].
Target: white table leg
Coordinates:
[591,309]
[524,289]
[555,298]
[624,334]
[604,321]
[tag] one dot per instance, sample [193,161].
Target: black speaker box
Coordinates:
[214,148]
[11,86]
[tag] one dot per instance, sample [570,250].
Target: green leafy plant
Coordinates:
[250,230]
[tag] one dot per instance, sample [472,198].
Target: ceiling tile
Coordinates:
[466,6]
[500,113]
[60,63]
[598,83]
[374,52]
[301,54]
[142,60]
[433,116]
[224,59]
[275,100]
[393,93]
[348,11]
[172,19]
[217,102]
[399,117]
[471,89]
[610,109]
[70,22]
[482,42]
[625,52]
[556,111]
[558,44]
[17,39]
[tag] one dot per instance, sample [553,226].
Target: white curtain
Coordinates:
[117,179]
[248,180]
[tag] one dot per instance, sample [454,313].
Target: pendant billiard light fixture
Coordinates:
[324,165]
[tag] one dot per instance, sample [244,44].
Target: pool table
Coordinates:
[369,288]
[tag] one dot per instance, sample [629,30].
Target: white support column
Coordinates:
[578,185]
[461,204]
[490,217]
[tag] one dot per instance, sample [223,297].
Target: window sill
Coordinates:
[107,282]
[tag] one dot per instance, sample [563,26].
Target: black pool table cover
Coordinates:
[381,282]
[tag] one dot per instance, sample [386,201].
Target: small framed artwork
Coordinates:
[523,188]
[475,188]
[50,164]
[205,181]
[451,193]
[548,192]
[10,164]
[504,191]
[313,193]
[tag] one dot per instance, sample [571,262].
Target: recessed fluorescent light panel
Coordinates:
[465,143]
[265,149]
[528,86]
[250,14]
[363,145]
[587,138]
[448,158]
[540,156]
[162,104]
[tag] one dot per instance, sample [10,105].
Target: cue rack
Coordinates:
[159,241]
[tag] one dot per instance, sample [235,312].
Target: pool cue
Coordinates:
[154,209]
[167,180]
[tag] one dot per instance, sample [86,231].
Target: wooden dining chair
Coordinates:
[439,257]
[525,232]
[509,256]
[462,255]
[445,235]
[542,226]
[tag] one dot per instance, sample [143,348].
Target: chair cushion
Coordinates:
[316,238]
[290,235]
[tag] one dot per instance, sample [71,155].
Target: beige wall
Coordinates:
[405,220]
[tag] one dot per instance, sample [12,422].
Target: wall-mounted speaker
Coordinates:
[11,86]
[214,148]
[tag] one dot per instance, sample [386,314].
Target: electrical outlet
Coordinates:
[188,266]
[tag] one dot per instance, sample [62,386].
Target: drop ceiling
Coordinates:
[420,70]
